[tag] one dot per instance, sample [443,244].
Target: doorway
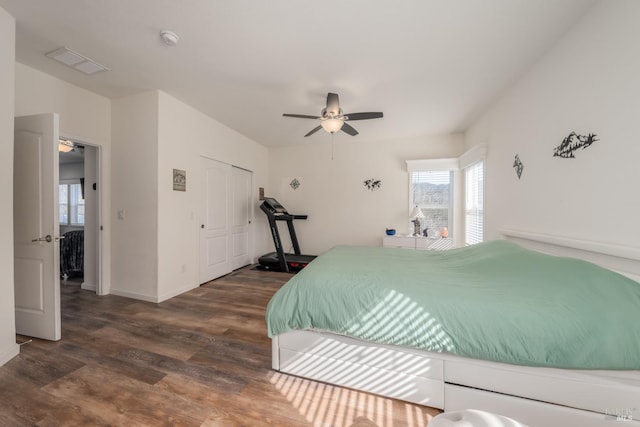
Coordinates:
[79,208]
[36,224]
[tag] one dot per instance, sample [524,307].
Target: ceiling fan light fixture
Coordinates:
[64,145]
[332,125]
[332,119]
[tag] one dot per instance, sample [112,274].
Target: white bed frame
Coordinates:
[533,396]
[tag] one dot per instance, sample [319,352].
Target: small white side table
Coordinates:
[416,242]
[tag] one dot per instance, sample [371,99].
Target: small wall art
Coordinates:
[572,143]
[295,184]
[179,180]
[372,184]
[518,166]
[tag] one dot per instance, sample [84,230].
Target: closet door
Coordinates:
[215,227]
[240,217]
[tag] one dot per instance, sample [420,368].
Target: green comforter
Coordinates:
[493,301]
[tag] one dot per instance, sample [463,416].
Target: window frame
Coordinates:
[435,165]
[457,165]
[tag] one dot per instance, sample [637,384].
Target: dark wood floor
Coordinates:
[199,359]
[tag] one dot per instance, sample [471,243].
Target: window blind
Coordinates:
[474,203]
[431,190]
[71,204]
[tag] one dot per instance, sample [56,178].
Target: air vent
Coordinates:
[76,61]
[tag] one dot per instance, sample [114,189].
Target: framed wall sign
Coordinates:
[179,180]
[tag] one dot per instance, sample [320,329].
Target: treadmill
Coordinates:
[279,260]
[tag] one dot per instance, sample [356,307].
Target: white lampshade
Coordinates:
[65,145]
[332,125]
[416,213]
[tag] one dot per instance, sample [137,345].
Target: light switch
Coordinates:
[121,214]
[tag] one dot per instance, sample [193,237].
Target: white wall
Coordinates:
[71,171]
[84,116]
[332,192]
[185,134]
[8,346]
[135,196]
[589,82]
[156,247]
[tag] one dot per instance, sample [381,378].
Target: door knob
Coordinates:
[46,238]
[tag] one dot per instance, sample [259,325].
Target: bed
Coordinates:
[72,254]
[461,350]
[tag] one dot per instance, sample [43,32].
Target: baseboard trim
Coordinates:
[88,287]
[9,354]
[134,295]
[177,292]
[149,298]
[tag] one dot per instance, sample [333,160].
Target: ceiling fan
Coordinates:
[332,119]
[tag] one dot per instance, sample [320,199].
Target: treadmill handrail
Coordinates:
[288,217]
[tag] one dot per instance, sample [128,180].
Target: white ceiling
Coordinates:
[430,65]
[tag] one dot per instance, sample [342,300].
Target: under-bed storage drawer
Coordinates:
[529,412]
[595,391]
[392,372]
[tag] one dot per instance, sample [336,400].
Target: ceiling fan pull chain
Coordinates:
[332,145]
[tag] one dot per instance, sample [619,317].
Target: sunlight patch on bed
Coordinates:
[406,375]
[327,405]
[400,314]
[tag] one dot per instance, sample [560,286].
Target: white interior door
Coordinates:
[215,228]
[241,217]
[36,227]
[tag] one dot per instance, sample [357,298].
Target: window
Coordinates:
[447,198]
[474,205]
[71,203]
[432,192]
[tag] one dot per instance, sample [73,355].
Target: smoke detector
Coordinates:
[169,37]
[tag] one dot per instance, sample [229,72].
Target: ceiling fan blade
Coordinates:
[362,116]
[347,128]
[314,130]
[301,116]
[333,104]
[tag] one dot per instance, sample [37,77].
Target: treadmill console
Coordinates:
[273,205]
